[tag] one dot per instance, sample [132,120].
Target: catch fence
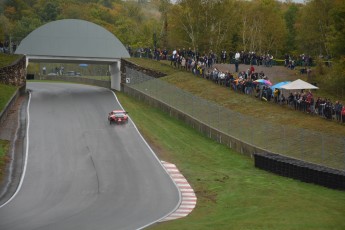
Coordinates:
[306,145]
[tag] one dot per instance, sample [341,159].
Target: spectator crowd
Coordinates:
[245,82]
[7,47]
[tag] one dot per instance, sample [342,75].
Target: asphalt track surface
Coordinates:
[82,173]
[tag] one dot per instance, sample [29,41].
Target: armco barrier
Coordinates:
[300,170]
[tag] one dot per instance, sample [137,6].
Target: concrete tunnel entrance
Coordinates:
[75,41]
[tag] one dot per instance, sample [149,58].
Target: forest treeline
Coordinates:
[315,28]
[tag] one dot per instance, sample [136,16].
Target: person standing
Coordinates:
[343,114]
[338,109]
[224,56]
[251,70]
[275,94]
[237,61]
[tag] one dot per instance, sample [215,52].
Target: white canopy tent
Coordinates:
[298,84]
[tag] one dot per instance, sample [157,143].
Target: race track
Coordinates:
[82,173]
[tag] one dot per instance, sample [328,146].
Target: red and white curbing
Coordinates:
[187,193]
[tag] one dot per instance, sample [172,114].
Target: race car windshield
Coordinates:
[119,114]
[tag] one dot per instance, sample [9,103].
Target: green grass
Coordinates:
[160,66]
[267,112]
[4,147]
[231,192]
[6,92]
[8,59]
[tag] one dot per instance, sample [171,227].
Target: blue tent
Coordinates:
[279,85]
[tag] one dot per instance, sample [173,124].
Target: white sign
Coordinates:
[128,80]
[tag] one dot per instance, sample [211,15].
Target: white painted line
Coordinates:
[169,165]
[172,170]
[180,214]
[189,199]
[186,190]
[25,157]
[188,203]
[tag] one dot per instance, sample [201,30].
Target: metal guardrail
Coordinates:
[306,145]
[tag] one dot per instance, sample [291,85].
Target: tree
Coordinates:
[262,26]
[183,29]
[203,25]
[76,11]
[15,9]
[106,3]
[290,19]
[25,26]
[314,27]
[5,27]
[163,7]
[337,37]
[49,11]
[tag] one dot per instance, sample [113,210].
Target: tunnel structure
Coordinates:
[75,41]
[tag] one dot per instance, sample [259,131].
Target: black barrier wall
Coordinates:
[303,171]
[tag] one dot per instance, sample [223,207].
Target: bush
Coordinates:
[332,78]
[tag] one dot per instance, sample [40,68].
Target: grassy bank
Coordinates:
[232,194]
[268,112]
[6,92]
[4,147]
[8,59]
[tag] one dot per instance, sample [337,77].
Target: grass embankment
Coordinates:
[244,104]
[4,148]
[6,92]
[231,192]
[8,59]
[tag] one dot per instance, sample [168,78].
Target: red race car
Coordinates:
[118,117]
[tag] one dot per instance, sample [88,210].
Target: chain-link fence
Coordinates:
[299,143]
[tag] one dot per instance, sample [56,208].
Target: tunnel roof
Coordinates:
[72,38]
